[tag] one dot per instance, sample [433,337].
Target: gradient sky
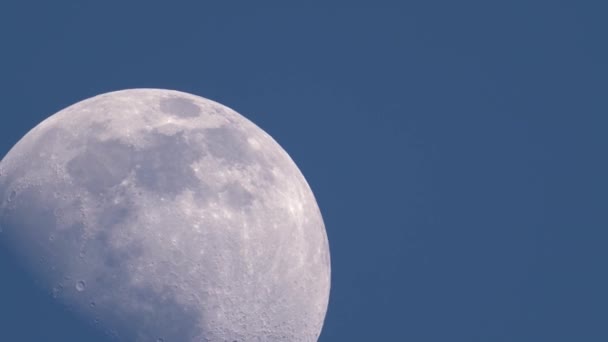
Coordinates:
[457,149]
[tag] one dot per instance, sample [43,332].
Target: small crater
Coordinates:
[80,286]
[12,195]
[180,107]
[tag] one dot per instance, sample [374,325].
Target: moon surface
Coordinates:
[157,215]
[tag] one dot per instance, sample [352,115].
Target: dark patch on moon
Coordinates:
[114,214]
[103,165]
[96,128]
[164,166]
[180,107]
[237,196]
[229,144]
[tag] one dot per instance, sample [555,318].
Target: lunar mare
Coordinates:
[160,215]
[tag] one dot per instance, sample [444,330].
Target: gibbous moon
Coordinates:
[157,215]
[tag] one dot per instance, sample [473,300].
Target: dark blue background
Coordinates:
[457,149]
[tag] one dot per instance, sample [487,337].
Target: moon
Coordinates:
[158,215]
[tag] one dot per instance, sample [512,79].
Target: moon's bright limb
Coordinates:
[158,214]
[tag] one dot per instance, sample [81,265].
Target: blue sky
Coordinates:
[456,149]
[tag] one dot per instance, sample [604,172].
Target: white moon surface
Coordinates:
[158,215]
